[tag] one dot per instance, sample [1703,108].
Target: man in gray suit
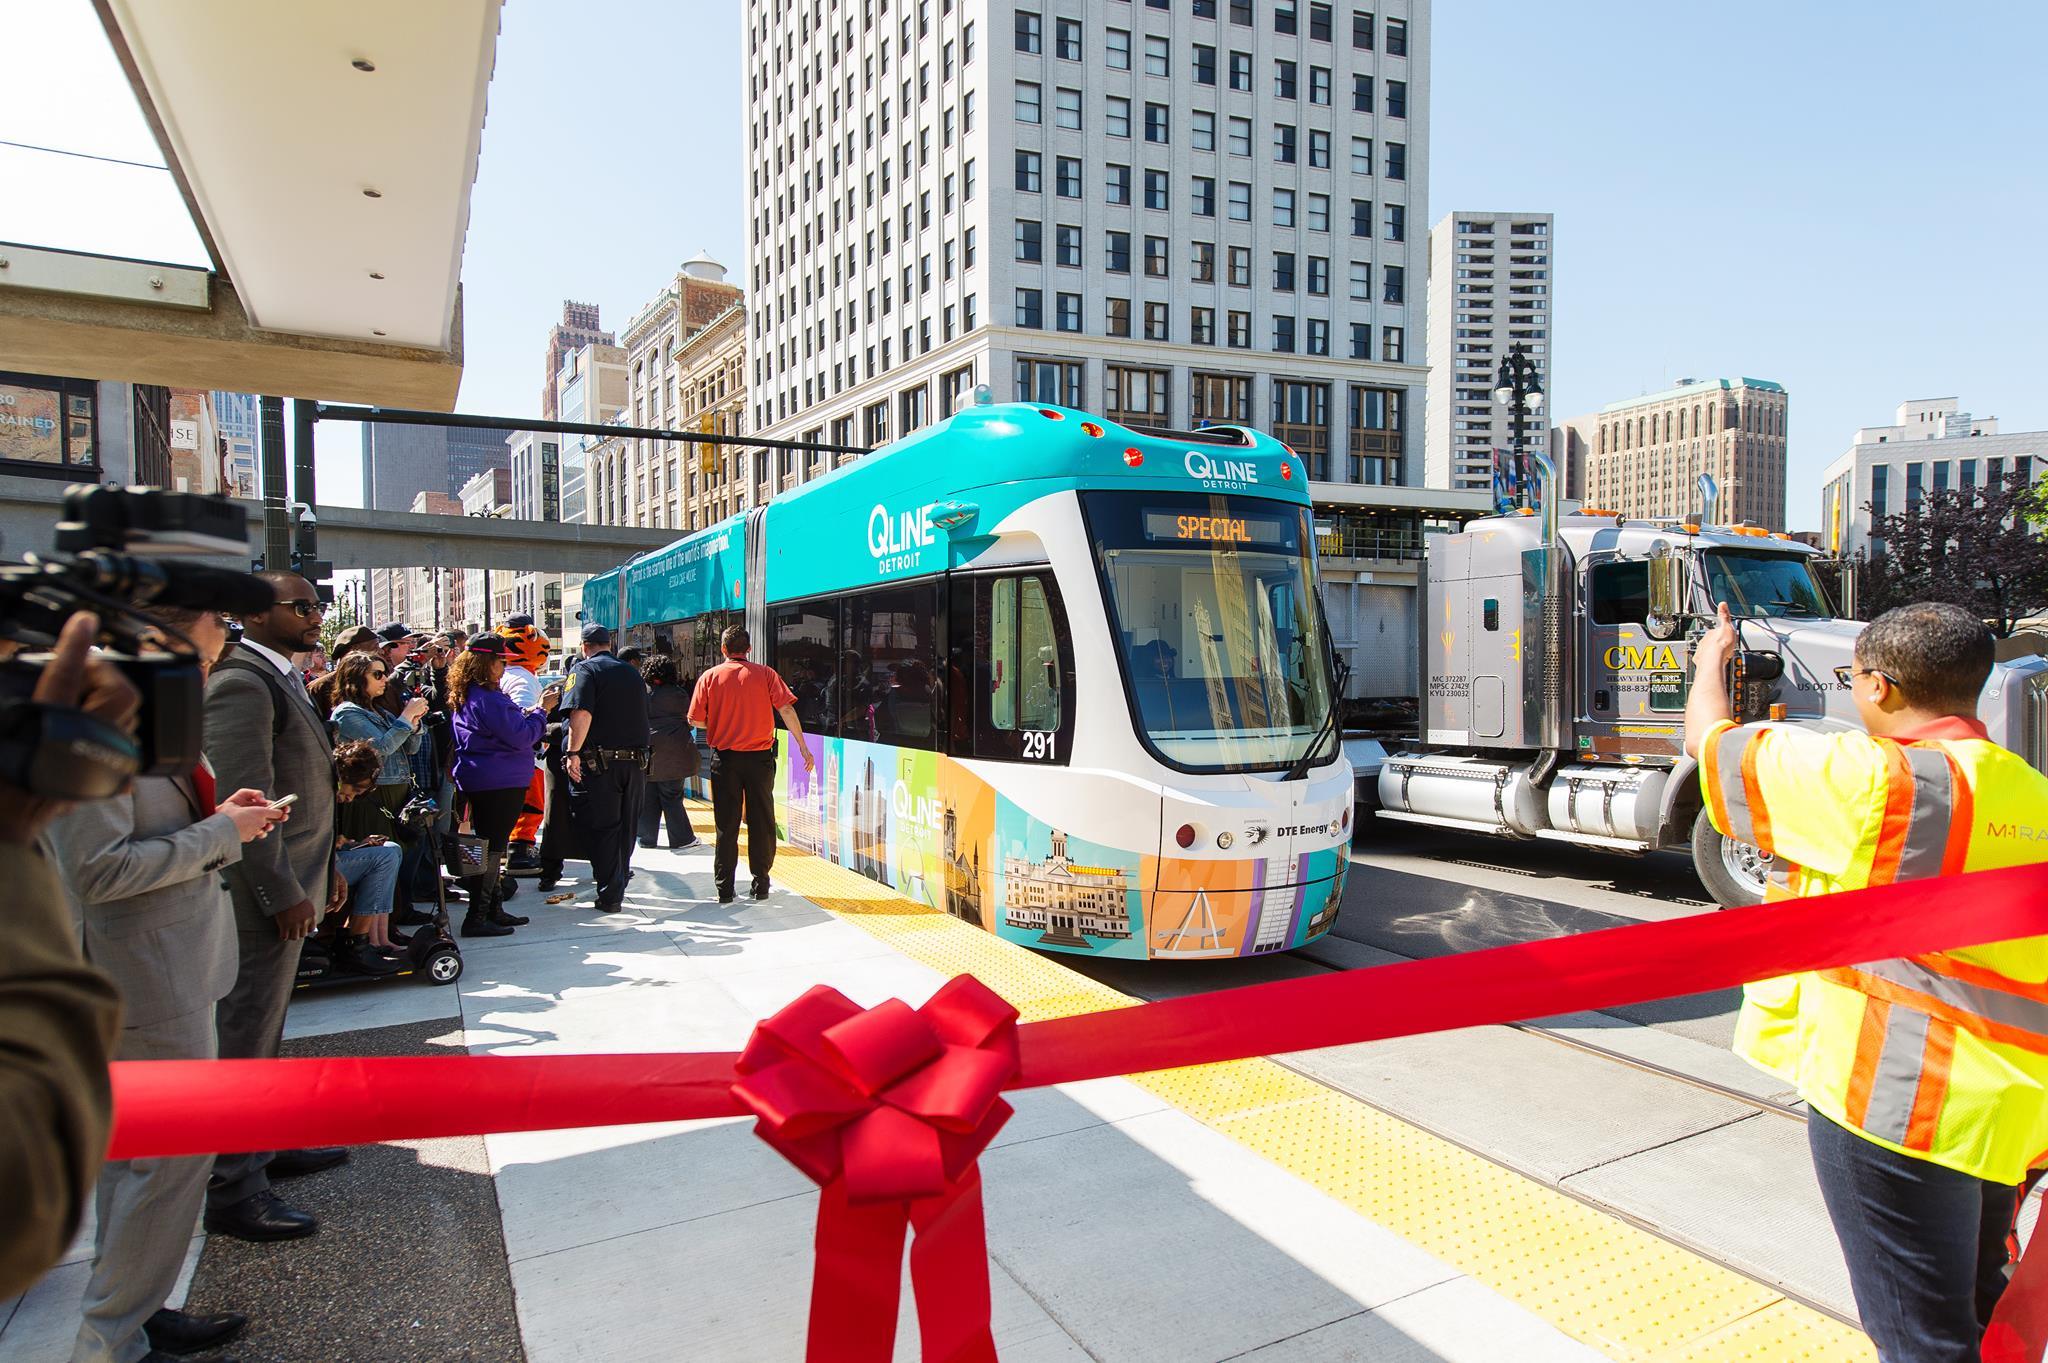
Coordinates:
[143,871]
[263,732]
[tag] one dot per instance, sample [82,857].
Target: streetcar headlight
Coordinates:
[1224,839]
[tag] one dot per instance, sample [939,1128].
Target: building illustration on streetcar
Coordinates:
[1025,621]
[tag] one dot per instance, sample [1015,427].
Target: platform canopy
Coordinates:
[326,155]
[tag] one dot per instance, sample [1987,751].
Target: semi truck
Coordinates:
[1556,656]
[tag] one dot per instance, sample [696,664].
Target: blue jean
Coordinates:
[1925,1244]
[372,874]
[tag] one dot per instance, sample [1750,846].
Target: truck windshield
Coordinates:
[1213,606]
[1763,583]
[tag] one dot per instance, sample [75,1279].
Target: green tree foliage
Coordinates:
[341,618]
[1984,549]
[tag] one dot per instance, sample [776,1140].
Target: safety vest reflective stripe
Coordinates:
[1995,1015]
[1735,804]
[1913,838]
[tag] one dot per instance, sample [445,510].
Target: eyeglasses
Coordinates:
[1874,672]
[377,674]
[304,609]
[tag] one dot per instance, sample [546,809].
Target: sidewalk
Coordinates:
[1223,1212]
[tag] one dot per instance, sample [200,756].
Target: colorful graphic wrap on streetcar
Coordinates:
[1055,673]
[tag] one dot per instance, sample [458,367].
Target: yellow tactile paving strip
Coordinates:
[1609,1284]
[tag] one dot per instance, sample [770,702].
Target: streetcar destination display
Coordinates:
[1181,528]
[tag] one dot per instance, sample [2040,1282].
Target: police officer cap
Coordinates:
[396,633]
[596,634]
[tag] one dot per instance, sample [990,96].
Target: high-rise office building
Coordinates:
[1208,212]
[1489,291]
[578,328]
[401,462]
[1931,446]
[240,424]
[635,480]
[1649,452]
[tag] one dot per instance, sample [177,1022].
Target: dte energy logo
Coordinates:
[1220,472]
[895,541]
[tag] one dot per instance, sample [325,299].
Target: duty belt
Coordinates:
[618,754]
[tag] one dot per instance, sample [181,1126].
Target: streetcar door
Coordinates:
[1009,644]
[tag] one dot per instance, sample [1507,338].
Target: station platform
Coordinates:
[1235,1211]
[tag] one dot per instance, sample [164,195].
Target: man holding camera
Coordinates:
[262,733]
[144,871]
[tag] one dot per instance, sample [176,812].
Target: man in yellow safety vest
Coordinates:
[1927,1079]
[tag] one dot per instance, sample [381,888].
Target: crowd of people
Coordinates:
[291,850]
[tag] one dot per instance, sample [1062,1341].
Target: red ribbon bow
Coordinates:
[887,1109]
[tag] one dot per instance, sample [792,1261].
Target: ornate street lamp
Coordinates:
[1521,392]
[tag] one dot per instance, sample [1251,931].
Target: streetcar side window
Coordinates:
[1023,675]
[807,656]
[889,667]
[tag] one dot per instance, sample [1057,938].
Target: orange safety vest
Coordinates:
[1943,1056]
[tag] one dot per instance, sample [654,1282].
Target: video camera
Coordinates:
[61,753]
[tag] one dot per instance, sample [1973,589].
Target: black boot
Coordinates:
[507,920]
[478,922]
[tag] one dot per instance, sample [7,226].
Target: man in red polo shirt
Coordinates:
[735,703]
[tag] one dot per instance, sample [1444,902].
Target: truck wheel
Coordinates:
[1733,872]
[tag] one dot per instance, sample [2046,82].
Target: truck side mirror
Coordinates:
[1670,592]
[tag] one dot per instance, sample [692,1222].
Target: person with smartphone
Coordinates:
[144,874]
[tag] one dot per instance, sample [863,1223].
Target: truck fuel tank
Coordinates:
[1479,794]
[1623,802]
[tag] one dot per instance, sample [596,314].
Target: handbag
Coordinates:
[465,853]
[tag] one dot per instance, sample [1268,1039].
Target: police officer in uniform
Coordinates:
[609,741]
[1927,1079]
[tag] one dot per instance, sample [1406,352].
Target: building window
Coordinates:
[1880,492]
[1283,208]
[1913,472]
[1283,335]
[1361,94]
[1376,434]
[1284,79]
[1301,419]
[1116,317]
[1202,325]
[1031,308]
[1221,398]
[1117,49]
[1397,222]
[1318,149]
[1136,396]
[1361,156]
[1361,29]
[956,389]
[1202,261]
[1283,271]
[1155,123]
[1393,345]
[1066,111]
[1028,163]
[1397,37]
[1241,266]
[1240,334]
[1393,284]
[1156,57]
[1117,252]
[1204,197]
[1027,101]
[1241,71]
[1318,340]
[1397,99]
[1283,143]
[913,408]
[1319,276]
[1285,18]
[50,426]
[1157,190]
[1116,117]
[1068,317]
[1361,217]
[1067,39]
[1155,257]
[1202,130]
[875,426]
[1117,184]
[1397,161]
[1361,340]
[1057,382]
[1067,246]
[1205,65]
[1030,32]
[1319,85]
[1157,327]
[1067,177]
[1240,201]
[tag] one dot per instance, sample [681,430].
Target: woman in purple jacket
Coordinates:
[494,741]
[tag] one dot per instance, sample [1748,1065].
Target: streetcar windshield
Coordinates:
[1213,606]
[1764,584]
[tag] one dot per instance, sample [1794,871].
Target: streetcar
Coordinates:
[1063,679]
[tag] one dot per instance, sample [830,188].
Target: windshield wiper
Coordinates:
[1799,607]
[1342,671]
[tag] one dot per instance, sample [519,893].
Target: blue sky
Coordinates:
[1846,199]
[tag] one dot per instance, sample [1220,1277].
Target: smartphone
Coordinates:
[286,802]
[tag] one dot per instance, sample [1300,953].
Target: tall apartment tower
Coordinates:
[1649,452]
[1203,212]
[1489,290]
[577,329]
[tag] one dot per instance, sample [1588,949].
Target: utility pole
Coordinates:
[277,535]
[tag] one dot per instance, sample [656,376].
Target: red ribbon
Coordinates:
[814,1092]
[887,1109]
